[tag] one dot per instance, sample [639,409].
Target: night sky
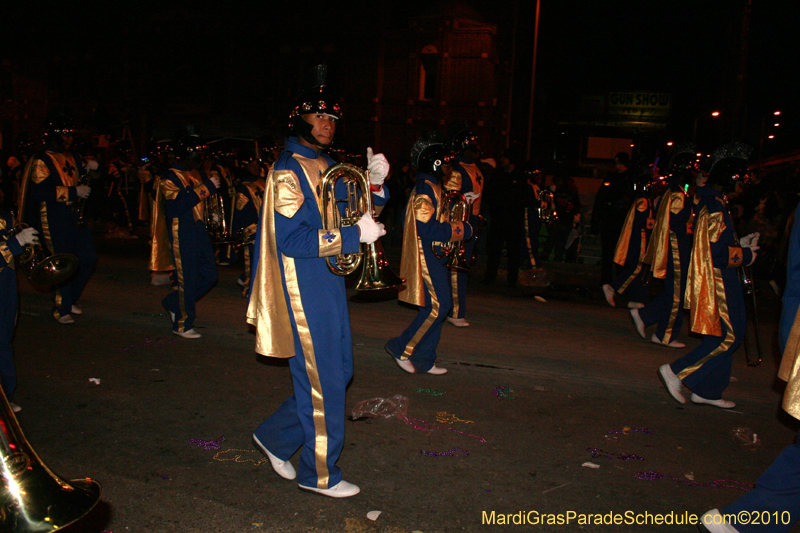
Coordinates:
[150,52]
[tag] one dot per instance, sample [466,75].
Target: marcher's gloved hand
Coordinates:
[83,191]
[750,240]
[27,236]
[471,196]
[377,168]
[753,260]
[92,164]
[215,180]
[369,229]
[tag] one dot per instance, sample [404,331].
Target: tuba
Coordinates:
[42,270]
[454,208]
[547,207]
[376,273]
[33,499]
[215,218]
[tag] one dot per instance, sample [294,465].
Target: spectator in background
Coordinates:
[610,209]
[506,195]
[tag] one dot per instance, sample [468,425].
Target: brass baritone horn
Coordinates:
[41,270]
[454,208]
[376,273]
[33,499]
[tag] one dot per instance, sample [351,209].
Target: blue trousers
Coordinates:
[76,241]
[194,275]
[706,370]
[776,497]
[419,340]
[667,308]
[321,376]
[9,303]
[630,280]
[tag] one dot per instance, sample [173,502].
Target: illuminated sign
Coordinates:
[639,104]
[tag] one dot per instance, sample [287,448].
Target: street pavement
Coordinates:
[548,408]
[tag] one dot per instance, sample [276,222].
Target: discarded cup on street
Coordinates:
[746,438]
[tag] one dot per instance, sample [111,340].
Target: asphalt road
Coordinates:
[534,391]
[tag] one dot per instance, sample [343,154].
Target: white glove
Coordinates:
[27,236]
[471,196]
[215,181]
[377,168]
[750,240]
[91,164]
[753,260]
[83,191]
[369,229]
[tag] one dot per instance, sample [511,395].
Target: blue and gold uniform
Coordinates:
[48,202]
[181,243]
[668,256]
[9,303]
[427,276]
[714,295]
[299,308]
[249,197]
[471,182]
[631,248]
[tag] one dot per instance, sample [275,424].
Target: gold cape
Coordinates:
[790,369]
[267,309]
[657,253]
[624,242]
[160,249]
[702,281]
[413,290]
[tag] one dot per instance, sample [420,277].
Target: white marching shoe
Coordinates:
[671,382]
[282,468]
[343,489]
[722,404]
[458,322]
[188,334]
[608,292]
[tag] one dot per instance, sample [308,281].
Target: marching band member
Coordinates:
[249,197]
[50,196]
[299,307]
[778,488]
[427,278]
[180,240]
[714,291]
[668,254]
[465,144]
[9,299]
[631,247]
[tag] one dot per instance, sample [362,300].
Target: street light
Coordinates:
[764,133]
[694,131]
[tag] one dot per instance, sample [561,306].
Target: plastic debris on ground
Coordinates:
[373,515]
[746,438]
[588,464]
[394,407]
[96,381]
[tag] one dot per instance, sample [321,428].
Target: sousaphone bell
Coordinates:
[42,270]
[32,498]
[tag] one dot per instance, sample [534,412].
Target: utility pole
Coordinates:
[533,81]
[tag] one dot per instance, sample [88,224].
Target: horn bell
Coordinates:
[32,498]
